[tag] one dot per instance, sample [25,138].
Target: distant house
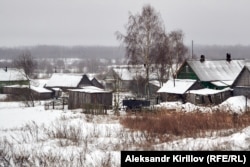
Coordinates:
[130,78]
[89,95]
[213,74]
[12,76]
[174,90]
[64,82]
[241,84]
[119,77]
[208,96]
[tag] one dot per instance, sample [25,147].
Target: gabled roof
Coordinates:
[246,67]
[96,83]
[12,74]
[216,70]
[64,80]
[179,87]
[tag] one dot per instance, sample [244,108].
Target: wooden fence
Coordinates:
[95,109]
[59,104]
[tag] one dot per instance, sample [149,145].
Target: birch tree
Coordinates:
[143,31]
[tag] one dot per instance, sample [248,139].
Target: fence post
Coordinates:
[246,105]
[63,103]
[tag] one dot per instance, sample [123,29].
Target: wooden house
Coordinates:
[128,78]
[213,74]
[119,77]
[241,84]
[89,95]
[208,96]
[174,90]
[12,76]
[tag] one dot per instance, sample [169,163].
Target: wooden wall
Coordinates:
[25,92]
[208,99]
[79,99]
[243,79]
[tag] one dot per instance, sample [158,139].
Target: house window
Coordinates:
[198,99]
[187,69]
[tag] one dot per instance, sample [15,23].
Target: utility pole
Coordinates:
[192,49]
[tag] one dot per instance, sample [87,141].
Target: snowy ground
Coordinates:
[236,104]
[38,137]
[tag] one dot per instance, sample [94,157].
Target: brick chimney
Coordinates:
[202,59]
[228,57]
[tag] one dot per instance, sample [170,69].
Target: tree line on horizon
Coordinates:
[114,52]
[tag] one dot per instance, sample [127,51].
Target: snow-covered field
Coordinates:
[38,137]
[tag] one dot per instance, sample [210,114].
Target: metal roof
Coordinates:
[12,74]
[217,70]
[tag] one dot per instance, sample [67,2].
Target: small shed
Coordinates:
[38,93]
[41,93]
[89,95]
[208,96]
[174,90]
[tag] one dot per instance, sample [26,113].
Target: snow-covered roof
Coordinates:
[179,87]
[155,83]
[207,91]
[222,83]
[12,74]
[64,80]
[90,89]
[128,72]
[40,89]
[36,89]
[217,70]
[248,66]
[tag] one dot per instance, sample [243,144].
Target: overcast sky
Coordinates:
[94,22]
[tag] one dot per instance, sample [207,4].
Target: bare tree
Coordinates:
[177,50]
[170,54]
[162,61]
[27,63]
[142,35]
